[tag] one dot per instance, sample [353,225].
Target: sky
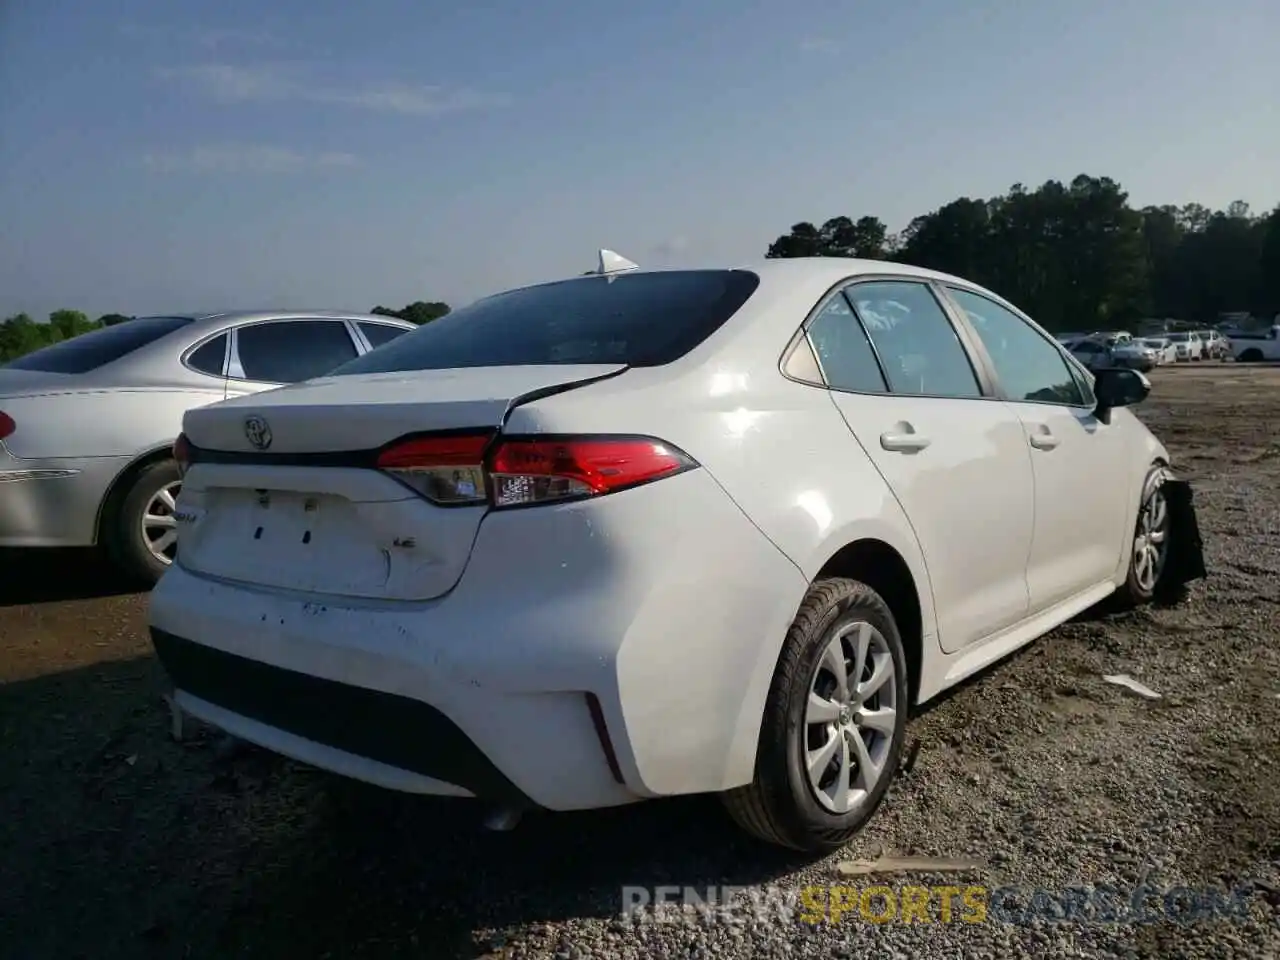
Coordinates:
[157,156]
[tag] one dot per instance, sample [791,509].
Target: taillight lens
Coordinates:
[540,471]
[444,469]
[513,472]
[7,426]
[182,453]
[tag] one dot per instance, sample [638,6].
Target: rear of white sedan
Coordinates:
[654,533]
[445,578]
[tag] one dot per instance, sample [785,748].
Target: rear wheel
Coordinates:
[143,535]
[1252,355]
[834,722]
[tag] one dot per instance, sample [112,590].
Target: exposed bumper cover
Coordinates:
[397,731]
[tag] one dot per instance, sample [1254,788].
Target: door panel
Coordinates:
[1079,478]
[957,462]
[1078,462]
[961,471]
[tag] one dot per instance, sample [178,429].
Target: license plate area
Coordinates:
[313,542]
[282,518]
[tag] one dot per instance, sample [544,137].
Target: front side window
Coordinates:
[289,351]
[1029,366]
[918,347]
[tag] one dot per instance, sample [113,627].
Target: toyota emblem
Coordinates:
[258,432]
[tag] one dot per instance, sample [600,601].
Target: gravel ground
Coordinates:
[117,842]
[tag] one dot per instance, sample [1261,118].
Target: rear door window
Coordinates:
[97,348]
[843,351]
[289,351]
[918,347]
[379,333]
[638,319]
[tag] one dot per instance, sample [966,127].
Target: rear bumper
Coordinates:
[592,654]
[389,730]
[52,503]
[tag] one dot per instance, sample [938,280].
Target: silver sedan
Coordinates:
[87,425]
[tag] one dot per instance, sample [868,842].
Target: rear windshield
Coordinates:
[99,347]
[638,319]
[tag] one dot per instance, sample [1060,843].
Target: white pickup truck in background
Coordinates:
[1253,347]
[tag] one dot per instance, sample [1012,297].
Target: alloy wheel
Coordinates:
[850,717]
[160,526]
[1151,541]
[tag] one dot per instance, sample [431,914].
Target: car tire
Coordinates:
[126,542]
[781,805]
[1252,355]
[1145,578]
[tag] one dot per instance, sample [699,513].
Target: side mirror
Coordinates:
[1116,387]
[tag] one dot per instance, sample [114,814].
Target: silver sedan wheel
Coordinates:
[160,526]
[851,717]
[1151,541]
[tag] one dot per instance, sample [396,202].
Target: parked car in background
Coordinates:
[1163,350]
[1216,346]
[87,425]
[1093,354]
[1133,354]
[1256,346]
[1187,346]
[649,533]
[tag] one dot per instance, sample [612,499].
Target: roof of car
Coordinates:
[215,318]
[835,269]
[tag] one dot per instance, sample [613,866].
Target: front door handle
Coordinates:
[903,439]
[1042,439]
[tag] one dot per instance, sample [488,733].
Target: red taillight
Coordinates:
[539,471]
[444,469]
[182,453]
[470,468]
[7,426]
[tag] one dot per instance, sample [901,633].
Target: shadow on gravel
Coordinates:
[45,575]
[116,841]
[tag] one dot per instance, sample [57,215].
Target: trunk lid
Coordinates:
[363,412]
[341,530]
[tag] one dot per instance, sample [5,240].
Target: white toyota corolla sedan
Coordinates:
[647,533]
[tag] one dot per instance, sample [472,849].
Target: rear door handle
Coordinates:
[903,439]
[1043,439]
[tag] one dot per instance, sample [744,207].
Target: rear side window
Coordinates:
[917,345]
[209,356]
[97,348]
[638,319]
[289,351]
[843,350]
[379,333]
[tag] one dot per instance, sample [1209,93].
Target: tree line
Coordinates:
[19,334]
[1075,256]
[1078,256]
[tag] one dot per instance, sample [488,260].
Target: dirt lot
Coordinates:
[116,841]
